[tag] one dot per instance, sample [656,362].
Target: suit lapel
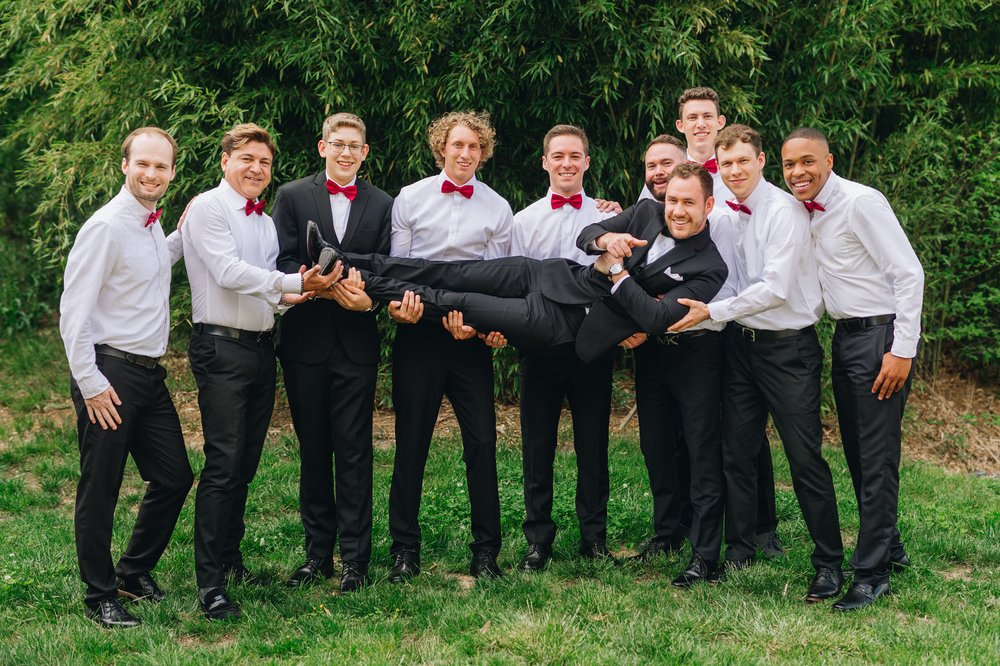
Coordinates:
[323,211]
[357,211]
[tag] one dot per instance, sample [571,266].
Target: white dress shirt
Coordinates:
[340,207]
[866,264]
[230,259]
[429,224]
[777,282]
[543,233]
[719,189]
[116,289]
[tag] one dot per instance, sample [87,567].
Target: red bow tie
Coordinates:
[153,217]
[712,165]
[252,207]
[350,191]
[738,206]
[813,206]
[558,201]
[448,187]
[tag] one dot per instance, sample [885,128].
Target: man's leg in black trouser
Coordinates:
[331,404]
[418,381]
[589,393]
[788,373]
[236,395]
[543,388]
[469,388]
[871,431]
[767,513]
[164,465]
[659,427]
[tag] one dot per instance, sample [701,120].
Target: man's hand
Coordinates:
[698,313]
[454,323]
[619,245]
[892,376]
[634,340]
[313,281]
[101,409]
[494,340]
[350,294]
[407,311]
[605,206]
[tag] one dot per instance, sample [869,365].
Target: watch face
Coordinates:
[615,269]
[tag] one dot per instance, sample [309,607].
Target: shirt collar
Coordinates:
[757,196]
[231,196]
[354,180]
[443,177]
[829,191]
[691,158]
[132,205]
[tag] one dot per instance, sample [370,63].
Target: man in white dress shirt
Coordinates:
[873,287]
[446,217]
[544,230]
[230,249]
[114,322]
[773,360]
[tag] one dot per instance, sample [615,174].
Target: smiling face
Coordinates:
[661,158]
[149,168]
[807,164]
[686,208]
[345,157]
[248,168]
[700,123]
[741,170]
[462,152]
[566,161]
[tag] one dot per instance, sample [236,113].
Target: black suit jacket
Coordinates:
[307,332]
[697,271]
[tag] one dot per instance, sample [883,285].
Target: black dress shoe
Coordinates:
[697,570]
[320,252]
[313,571]
[484,565]
[826,584]
[860,595]
[111,614]
[899,563]
[141,586]
[354,576]
[722,573]
[770,545]
[598,552]
[656,546]
[406,566]
[537,557]
[218,606]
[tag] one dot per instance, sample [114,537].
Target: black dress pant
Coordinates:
[428,364]
[151,432]
[781,377]
[871,431]
[235,380]
[331,404]
[678,380]
[546,380]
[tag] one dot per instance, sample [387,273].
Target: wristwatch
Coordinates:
[615,269]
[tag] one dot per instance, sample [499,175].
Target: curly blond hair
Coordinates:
[478,122]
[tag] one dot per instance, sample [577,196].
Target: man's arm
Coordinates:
[654,315]
[618,224]
[402,227]
[498,245]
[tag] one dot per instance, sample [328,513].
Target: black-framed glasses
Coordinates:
[338,147]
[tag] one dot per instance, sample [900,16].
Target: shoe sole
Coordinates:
[327,258]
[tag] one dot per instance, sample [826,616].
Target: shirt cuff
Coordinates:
[93,385]
[615,286]
[291,283]
[904,348]
[719,311]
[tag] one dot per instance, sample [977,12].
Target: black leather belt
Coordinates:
[234,333]
[861,323]
[760,335]
[147,362]
[678,338]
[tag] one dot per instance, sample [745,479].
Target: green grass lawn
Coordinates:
[946,608]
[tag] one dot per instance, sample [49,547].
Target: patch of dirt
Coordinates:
[950,421]
[958,572]
[463,581]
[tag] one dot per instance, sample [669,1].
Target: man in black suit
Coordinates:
[329,350]
[542,303]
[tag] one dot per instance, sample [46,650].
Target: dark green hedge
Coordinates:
[907,91]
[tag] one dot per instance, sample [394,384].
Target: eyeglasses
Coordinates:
[338,147]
